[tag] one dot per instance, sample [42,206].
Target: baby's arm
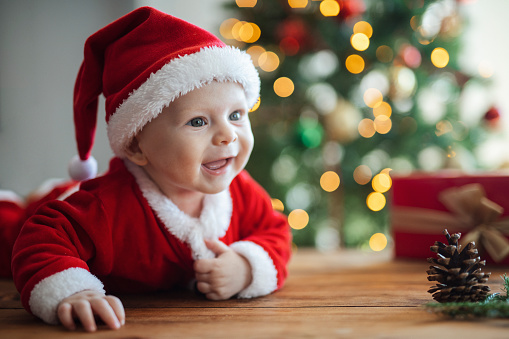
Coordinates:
[225,275]
[84,305]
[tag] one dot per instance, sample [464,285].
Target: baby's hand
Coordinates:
[225,275]
[84,305]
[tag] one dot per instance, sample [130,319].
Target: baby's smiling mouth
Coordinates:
[218,164]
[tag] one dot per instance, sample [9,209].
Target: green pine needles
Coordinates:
[494,306]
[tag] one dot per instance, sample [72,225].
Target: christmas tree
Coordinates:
[351,91]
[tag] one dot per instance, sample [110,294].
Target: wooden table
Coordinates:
[346,294]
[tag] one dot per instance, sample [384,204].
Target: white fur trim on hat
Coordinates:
[50,291]
[262,267]
[178,77]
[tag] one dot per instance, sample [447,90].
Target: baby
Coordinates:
[176,207]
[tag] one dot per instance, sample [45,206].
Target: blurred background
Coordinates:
[354,92]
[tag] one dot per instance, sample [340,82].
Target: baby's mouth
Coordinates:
[218,164]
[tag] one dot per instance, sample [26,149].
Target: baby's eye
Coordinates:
[235,116]
[196,122]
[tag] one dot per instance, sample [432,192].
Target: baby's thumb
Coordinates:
[216,246]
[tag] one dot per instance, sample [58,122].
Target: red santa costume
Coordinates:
[119,232]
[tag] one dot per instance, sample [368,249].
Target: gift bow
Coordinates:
[473,208]
[471,211]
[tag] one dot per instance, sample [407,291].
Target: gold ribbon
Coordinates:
[471,211]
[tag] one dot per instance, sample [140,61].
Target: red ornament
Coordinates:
[492,117]
[349,9]
[294,36]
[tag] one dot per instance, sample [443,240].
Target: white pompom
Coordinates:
[82,170]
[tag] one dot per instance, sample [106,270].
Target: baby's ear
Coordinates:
[135,154]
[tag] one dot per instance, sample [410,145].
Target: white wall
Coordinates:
[41,45]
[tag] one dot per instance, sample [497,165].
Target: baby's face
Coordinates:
[200,142]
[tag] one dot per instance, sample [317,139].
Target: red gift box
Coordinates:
[477,206]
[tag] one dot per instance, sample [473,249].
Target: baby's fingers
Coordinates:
[65,316]
[83,311]
[117,307]
[105,312]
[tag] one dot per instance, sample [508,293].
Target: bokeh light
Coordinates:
[354,64]
[378,242]
[246,3]
[384,54]
[485,69]
[439,57]
[381,182]
[375,201]
[373,97]
[383,109]
[256,105]
[226,28]
[329,8]
[298,3]
[249,32]
[283,87]
[363,27]
[362,174]
[329,181]
[383,124]
[360,41]
[277,205]
[367,128]
[268,61]
[255,52]
[298,219]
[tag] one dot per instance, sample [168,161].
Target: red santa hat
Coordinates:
[141,63]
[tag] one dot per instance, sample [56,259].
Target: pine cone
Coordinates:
[461,273]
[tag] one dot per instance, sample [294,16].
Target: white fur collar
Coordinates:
[212,224]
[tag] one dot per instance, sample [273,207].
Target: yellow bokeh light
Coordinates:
[363,27]
[443,127]
[383,109]
[383,124]
[386,170]
[255,52]
[367,128]
[384,54]
[283,87]
[298,3]
[354,64]
[329,8]
[226,28]
[362,174]
[268,61]
[360,41]
[439,57]
[256,105]
[298,219]
[381,182]
[246,3]
[373,97]
[236,30]
[329,181]
[375,201]
[277,205]
[249,32]
[378,242]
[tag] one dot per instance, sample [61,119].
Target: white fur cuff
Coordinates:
[50,291]
[263,270]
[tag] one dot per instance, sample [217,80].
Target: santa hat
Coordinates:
[141,63]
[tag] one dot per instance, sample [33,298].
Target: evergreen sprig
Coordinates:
[494,306]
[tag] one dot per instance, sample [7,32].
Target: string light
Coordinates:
[362,174]
[378,242]
[298,3]
[329,181]
[283,87]
[384,54]
[246,3]
[366,128]
[439,57]
[354,64]
[363,27]
[256,105]
[375,201]
[255,52]
[383,124]
[373,97]
[277,205]
[381,182]
[360,41]
[485,69]
[329,8]
[268,61]
[382,109]
[226,28]
[298,219]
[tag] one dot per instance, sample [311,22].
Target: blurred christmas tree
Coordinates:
[351,89]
